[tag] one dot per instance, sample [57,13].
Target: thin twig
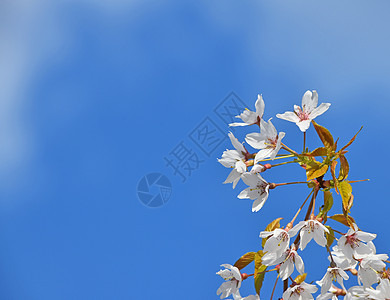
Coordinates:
[278,157]
[273,290]
[299,210]
[297,239]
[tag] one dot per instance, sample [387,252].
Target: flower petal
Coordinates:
[256,140]
[304,125]
[309,101]
[260,105]
[236,144]
[319,110]
[289,116]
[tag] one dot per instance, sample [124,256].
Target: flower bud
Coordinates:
[244,276]
[272,186]
[258,169]
[353,271]
[249,163]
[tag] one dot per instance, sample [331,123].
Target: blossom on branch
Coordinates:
[233,281]
[370,265]
[341,260]
[382,291]
[303,116]
[301,291]
[250,297]
[356,293]
[351,244]
[257,190]
[287,260]
[251,117]
[332,274]
[277,242]
[311,229]
[234,159]
[268,141]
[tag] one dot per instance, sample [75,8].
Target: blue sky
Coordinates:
[96,93]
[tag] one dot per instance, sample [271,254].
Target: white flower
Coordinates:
[370,265]
[250,297]
[351,243]
[382,291]
[257,190]
[332,274]
[311,229]
[233,281]
[287,261]
[356,293]
[303,116]
[234,159]
[277,242]
[250,117]
[301,291]
[329,295]
[267,140]
[341,260]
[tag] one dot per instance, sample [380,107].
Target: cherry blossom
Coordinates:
[303,116]
[268,141]
[233,281]
[370,265]
[382,291]
[251,117]
[356,293]
[250,297]
[341,260]
[351,244]
[234,159]
[277,242]
[311,229]
[332,274]
[287,261]
[331,294]
[301,291]
[257,190]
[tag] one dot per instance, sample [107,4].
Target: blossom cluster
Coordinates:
[352,252]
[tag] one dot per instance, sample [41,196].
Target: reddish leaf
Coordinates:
[351,141]
[245,260]
[325,136]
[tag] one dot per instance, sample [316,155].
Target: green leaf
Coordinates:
[259,278]
[351,141]
[344,167]
[245,260]
[329,236]
[345,220]
[325,136]
[315,169]
[345,191]
[271,227]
